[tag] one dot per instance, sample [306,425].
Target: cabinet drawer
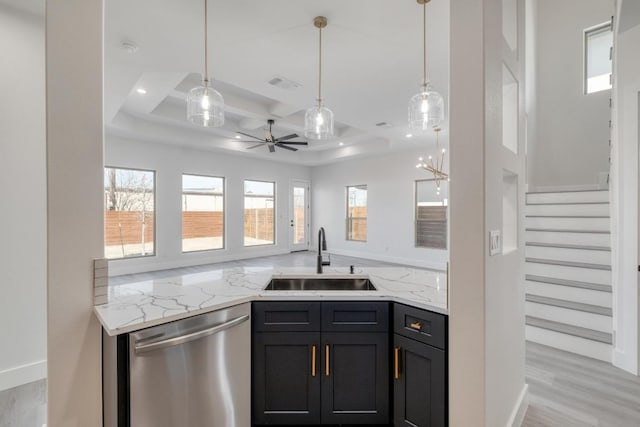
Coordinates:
[421,325]
[287,316]
[355,316]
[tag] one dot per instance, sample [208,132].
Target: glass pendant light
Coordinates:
[426,108]
[318,120]
[205,105]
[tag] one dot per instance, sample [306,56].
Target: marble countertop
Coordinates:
[138,305]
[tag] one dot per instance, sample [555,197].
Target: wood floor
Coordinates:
[567,390]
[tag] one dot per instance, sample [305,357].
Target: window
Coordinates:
[129,213]
[259,213]
[202,213]
[431,214]
[597,58]
[357,213]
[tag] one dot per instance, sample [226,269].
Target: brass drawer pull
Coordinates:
[416,325]
[396,363]
[313,360]
[326,360]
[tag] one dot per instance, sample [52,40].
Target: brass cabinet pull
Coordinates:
[396,363]
[416,325]
[313,360]
[326,360]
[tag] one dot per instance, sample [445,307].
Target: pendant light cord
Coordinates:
[206,38]
[320,69]
[424,44]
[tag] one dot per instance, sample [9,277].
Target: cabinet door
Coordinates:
[286,383]
[355,378]
[420,388]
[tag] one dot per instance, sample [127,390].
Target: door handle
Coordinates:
[327,371]
[396,363]
[141,347]
[313,360]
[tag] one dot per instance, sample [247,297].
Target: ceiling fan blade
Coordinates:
[272,149]
[294,142]
[284,138]
[255,146]
[250,136]
[250,142]
[285,147]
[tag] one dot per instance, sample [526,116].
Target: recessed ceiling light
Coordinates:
[141,91]
[340,143]
[238,137]
[409,135]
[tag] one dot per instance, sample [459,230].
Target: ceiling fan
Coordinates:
[271,142]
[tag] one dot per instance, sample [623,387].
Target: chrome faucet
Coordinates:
[322,245]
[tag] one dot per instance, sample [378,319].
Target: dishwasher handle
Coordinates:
[182,339]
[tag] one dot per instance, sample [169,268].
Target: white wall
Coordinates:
[486,296]
[624,193]
[23,213]
[571,145]
[170,162]
[390,181]
[74,237]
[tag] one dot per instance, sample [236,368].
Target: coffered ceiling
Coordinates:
[372,66]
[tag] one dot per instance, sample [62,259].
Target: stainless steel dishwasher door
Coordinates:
[194,372]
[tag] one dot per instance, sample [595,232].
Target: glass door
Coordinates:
[299,216]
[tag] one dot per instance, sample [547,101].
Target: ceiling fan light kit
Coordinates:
[426,108]
[205,105]
[318,120]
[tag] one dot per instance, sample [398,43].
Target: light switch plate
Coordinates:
[495,242]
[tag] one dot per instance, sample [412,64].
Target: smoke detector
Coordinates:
[284,83]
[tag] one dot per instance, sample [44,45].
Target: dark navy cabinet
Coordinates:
[321,363]
[419,368]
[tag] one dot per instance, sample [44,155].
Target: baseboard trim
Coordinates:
[440,266]
[23,374]
[620,360]
[118,267]
[520,409]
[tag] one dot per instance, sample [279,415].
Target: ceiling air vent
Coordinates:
[284,83]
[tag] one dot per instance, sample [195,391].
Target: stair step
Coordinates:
[568,230]
[568,197]
[572,283]
[577,331]
[602,277]
[569,264]
[564,237]
[569,293]
[562,209]
[585,224]
[585,256]
[571,343]
[568,246]
[571,305]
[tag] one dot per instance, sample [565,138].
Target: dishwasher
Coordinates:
[194,372]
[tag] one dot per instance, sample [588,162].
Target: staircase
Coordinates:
[568,272]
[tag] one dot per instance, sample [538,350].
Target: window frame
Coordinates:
[596,29]
[224,213]
[348,219]
[244,210]
[155,237]
[415,216]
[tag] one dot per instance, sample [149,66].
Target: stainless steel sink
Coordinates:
[320,284]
